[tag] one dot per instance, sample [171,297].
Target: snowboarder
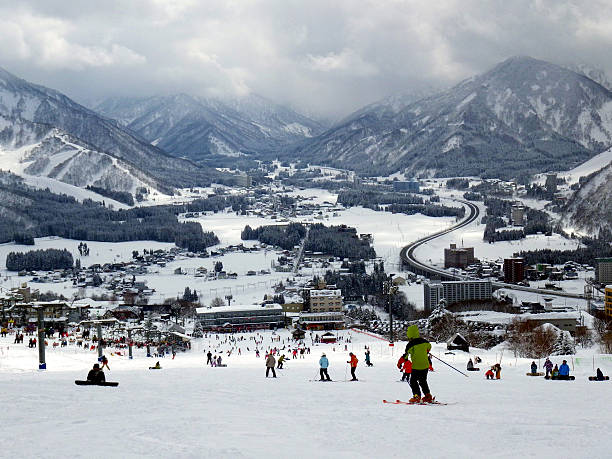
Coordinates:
[281,359]
[209,358]
[405,366]
[497,367]
[353,361]
[96,375]
[324,364]
[417,350]
[534,368]
[270,363]
[600,376]
[564,370]
[367,358]
[489,374]
[555,372]
[156,367]
[548,365]
[471,367]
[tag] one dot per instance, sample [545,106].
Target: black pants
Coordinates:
[324,375]
[419,378]
[280,365]
[406,377]
[268,371]
[353,373]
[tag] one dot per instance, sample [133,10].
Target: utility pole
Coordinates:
[100,340]
[129,333]
[389,290]
[42,364]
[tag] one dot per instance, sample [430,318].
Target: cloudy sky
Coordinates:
[324,57]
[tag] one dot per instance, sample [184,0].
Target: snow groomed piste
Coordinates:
[189,409]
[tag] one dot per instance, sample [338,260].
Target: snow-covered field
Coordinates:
[190,410]
[390,233]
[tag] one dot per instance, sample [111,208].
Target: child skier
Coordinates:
[417,350]
[405,366]
[367,358]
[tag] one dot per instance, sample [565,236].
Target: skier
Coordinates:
[417,350]
[281,359]
[104,361]
[367,358]
[548,365]
[564,370]
[209,358]
[353,363]
[270,363]
[96,375]
[405,366]
[534,368]
[324,364]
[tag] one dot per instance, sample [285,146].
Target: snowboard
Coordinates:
[90,383]
[400,402]
[594,378]
[556,378]
[535,374]
[154,368]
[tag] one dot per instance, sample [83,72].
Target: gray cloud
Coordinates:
[325,57]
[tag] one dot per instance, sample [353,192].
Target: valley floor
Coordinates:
[190,410]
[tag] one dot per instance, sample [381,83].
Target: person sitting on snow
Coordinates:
[564,370]
[600,376]
[96,375]
[555,372]
[534,368]
[489,374]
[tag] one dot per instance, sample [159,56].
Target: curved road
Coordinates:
[407,257]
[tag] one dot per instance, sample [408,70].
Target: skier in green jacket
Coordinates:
[417,351]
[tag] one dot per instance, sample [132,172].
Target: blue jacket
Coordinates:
[323,362]
[564,369]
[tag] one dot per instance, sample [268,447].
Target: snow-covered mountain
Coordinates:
[37,150]
[43,132]
[521,117]
[194,127]
[590,208]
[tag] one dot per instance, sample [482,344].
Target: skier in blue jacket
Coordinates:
[564,370]
[324,363]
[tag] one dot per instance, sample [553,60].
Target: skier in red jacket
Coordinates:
[405,365]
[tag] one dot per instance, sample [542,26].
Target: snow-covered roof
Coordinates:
[325,293]
[240,308]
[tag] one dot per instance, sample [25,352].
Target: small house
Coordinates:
[458,342]
[328,338]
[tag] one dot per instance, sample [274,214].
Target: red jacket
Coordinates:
[354,361]
[405,365]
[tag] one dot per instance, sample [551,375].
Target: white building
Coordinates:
[326,300]
[456,291]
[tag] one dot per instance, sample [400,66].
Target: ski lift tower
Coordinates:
[98,323]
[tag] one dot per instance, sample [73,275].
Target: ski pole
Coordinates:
[449,365]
